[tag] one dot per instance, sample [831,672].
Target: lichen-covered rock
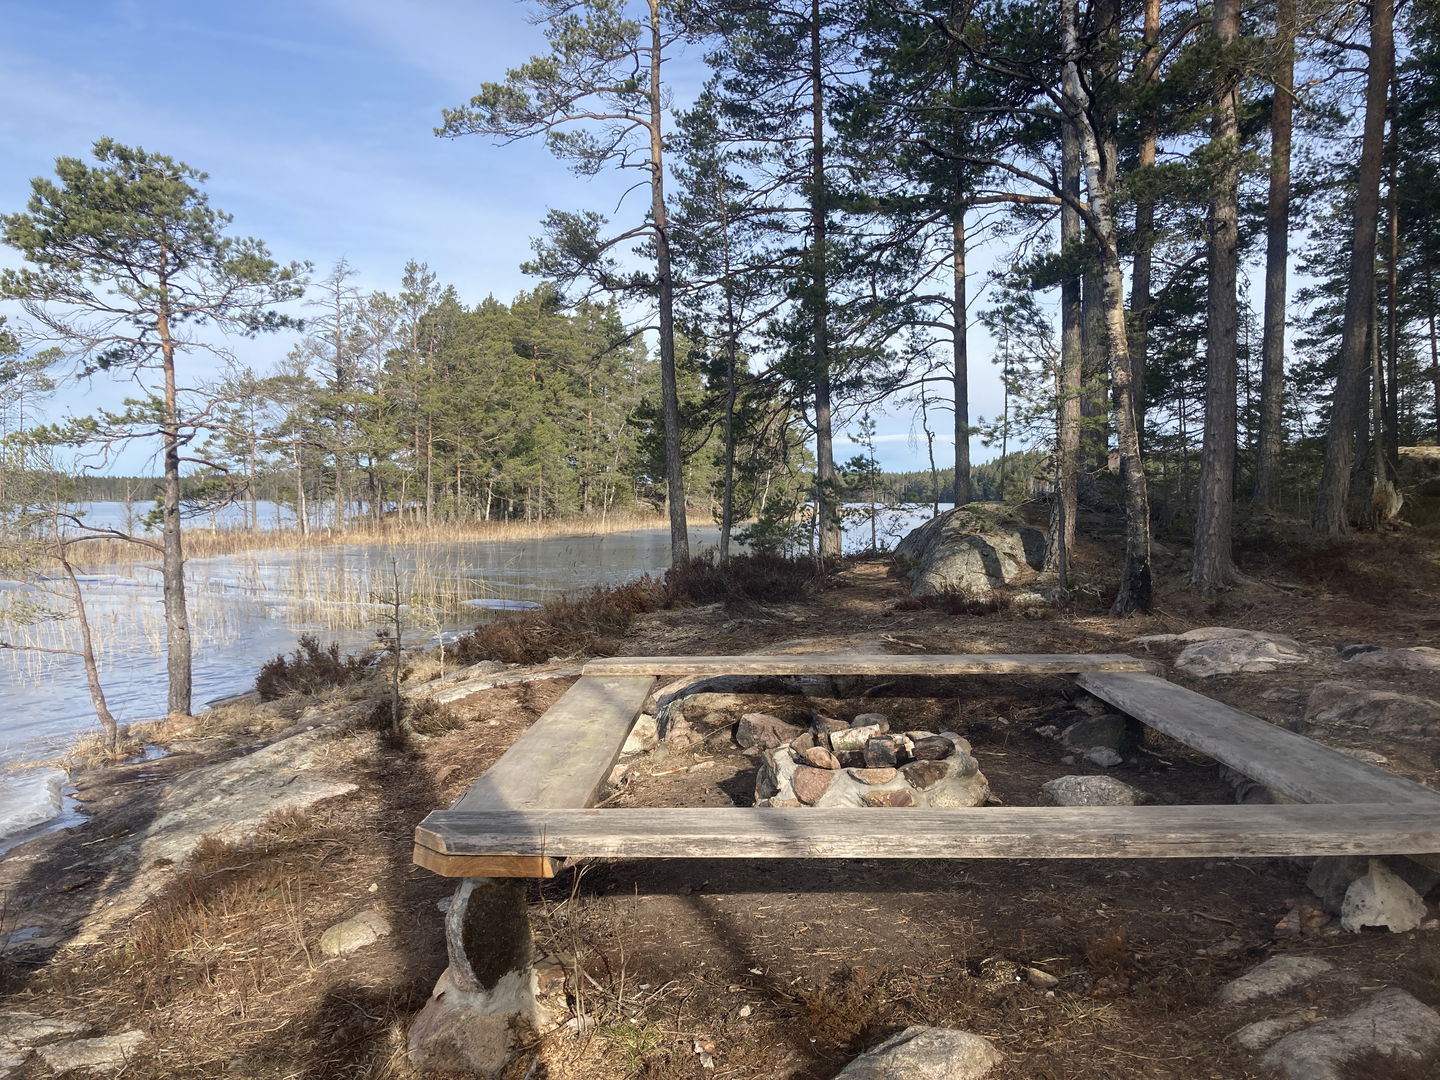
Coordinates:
[925,1053]
[109,1053]
[1277,975]
[1392,1024]
[1418,659]
[970,549]
[1403,716]
[1251,653]
[1090,791]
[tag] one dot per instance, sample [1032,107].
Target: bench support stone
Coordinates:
[484,1005]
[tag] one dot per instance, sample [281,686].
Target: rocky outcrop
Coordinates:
[1382,712]
[970,550]
[1392,1024]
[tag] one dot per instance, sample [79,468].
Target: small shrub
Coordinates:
[308,670]
[704,580]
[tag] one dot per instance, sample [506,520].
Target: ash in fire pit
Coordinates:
[862,763]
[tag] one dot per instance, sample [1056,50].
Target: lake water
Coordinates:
[249,607]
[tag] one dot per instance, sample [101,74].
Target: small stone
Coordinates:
[1275,976]
[801,743]
[821,758]
[1090,791]
[761,731]
[872,719]
[811,783]
[680,733]
[644,735]
[354,934]
[850,759]
[109,1053]
[882,797]
[881,754]
[961,743]
[1112,730]
[785,804]
[873,777]
[932,748]
[1041,980]
[925,1053]
[617,774]
[1392,1024]
[1103,756]
[1381,898]
[924,774]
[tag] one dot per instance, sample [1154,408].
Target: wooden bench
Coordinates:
[534,807]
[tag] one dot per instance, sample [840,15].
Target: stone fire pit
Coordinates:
[860,763]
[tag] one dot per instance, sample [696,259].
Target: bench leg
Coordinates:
[484,1003]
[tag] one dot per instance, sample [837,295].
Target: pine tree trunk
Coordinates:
[1213,567]
[826,501]
[1329,517]
[172,564]
[960,374]
[1141,272]
[1066,505]
[1277,255]
[669,391]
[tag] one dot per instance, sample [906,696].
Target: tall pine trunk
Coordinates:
[1347,405]
[960,373]
[172,563]
[1213,567]
[669,390]
[1065,507]
[1277,255]
[1141,272]
[826,489]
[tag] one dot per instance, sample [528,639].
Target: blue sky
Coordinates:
[314,119]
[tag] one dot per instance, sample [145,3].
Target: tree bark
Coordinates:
[1277,256]
[172,564]
[960,374]
[669,390]
[1330,516]
[827,507]
[1065,507]
[1141,272]
[1136,587]
[1213,567]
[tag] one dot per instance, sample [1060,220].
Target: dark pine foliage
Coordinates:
[310,669]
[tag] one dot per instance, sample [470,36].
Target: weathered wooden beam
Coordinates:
[862,664]
[563,759]
[1291,764]
[1022,832]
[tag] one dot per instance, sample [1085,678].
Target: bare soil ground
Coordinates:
[774,970]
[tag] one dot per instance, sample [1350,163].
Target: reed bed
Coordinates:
[202,543]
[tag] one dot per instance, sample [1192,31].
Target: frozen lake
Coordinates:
[247,608]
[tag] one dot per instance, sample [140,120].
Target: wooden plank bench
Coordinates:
[534,807]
